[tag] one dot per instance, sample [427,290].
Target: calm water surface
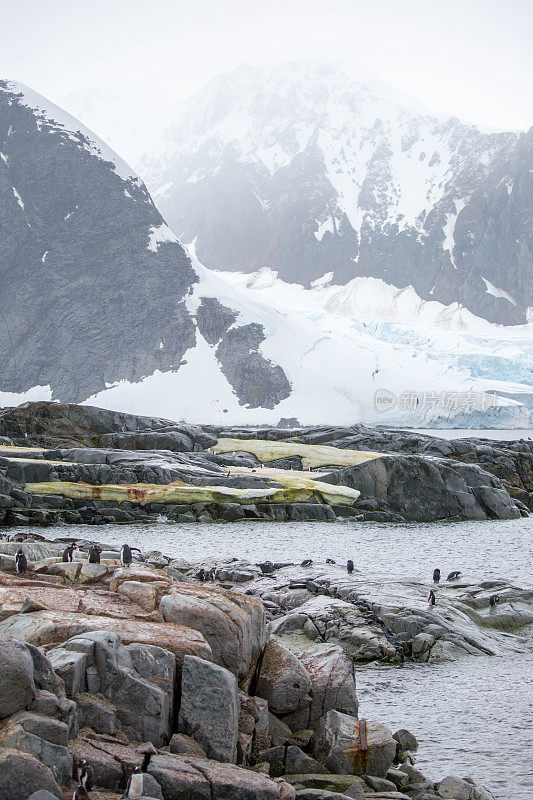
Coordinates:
[472,717]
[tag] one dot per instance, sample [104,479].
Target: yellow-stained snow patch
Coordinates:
[312,455]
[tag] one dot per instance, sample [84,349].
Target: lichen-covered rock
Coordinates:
[209,710]
[283,680]
[338,745]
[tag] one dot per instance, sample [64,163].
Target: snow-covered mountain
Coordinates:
[303,169]
[93,285]
[100,303]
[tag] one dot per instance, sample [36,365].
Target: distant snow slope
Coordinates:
[100,303]
[304,169]
[337,357]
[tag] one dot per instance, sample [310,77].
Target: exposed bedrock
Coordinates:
[149,667]
[73,464]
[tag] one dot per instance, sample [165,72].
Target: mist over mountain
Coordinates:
[101,304]
[306,170]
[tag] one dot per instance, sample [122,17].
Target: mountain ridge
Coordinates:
[303,170]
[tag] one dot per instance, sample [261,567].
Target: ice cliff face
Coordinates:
[305,170]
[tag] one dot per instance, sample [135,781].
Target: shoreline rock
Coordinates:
[222,701]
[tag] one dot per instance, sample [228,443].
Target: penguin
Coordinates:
[349,566]
[94,554]
[432,599]
[453,575]
[85,775]
[68,552]
[307,562]
[21,562]
[436,575]
[81,793]
[126,554]
[134,788]
[330,561]
[494,599]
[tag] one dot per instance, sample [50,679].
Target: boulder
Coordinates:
[406,740]
[298,762]
[459,789]
[97,713]
[91,573]
[209,710]
[283,680]
[233,624]
[44,738]
[21,774]
[338,745]
[185,746]
[200,779]
[141,696]
[17,686]
[332,675]
[51,627]
[143,594]
[42,794]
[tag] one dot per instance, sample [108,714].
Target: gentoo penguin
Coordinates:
[94,554]
[21,562]
[81,793]
[134,788]
[349,566]
[126,556]
[68,552]
[436,575]
[306,562]
[85,774]
[453,575]
[494,599]
[432,599]
[330,561]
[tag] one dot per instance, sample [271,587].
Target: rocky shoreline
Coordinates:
[220,681]
[77,464]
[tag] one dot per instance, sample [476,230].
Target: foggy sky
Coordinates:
[471,58]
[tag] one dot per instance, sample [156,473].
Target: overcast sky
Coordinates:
[472,58]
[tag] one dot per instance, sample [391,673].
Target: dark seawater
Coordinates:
[474,717]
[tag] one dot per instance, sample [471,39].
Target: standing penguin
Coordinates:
[85,774]
[349,566]
[494,599]
[432,599]
[436,575]
[68,552]
[21,562]
[126,554]
[80,793]
[94,554]
[134,788]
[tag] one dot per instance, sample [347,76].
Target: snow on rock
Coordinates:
[336,360]
[159,235]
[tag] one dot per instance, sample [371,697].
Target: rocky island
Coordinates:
[70,463]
